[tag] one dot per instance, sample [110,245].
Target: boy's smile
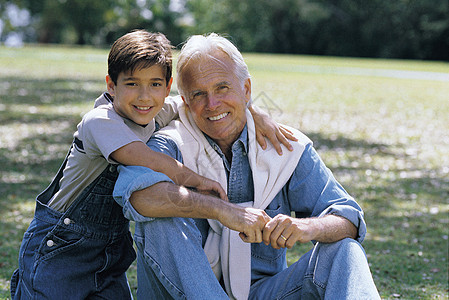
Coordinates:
[139,95]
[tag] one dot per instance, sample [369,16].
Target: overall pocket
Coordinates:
[60,241]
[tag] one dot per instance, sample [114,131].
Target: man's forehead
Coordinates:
[208,71]
[216,61]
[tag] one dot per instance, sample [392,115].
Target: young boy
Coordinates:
[78,245]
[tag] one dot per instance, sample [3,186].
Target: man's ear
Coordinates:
[110,85]
[184,100]
[247,90]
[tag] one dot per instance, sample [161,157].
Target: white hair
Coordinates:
[201,46]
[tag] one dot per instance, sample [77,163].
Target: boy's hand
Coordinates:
[275,133]
[208,186]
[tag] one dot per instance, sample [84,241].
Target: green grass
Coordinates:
[384,138]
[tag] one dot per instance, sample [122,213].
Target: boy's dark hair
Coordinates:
[140,49]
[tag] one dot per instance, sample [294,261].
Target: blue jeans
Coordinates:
[82,253]
[171,264]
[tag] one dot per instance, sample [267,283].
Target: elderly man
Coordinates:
[197,246]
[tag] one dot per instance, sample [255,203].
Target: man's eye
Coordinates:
[223,88]
[198,94]
[156,84]
[131,84]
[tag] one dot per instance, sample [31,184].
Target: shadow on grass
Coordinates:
[30,91]
[405,210]
[33,143]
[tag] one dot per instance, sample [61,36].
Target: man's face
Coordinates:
[140,95]
[216,98]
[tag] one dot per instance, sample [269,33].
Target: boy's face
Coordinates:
[140,95]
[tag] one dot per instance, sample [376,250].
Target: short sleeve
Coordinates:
[102,132]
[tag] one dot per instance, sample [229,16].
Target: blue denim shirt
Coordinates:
[312,191]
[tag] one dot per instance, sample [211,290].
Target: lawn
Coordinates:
[384,137]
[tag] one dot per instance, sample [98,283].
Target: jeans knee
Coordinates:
[346,245]
[351,246]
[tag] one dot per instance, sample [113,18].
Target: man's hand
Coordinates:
[246,220]
[284,231]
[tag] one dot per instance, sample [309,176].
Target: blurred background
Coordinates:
[406,29]
[366,80]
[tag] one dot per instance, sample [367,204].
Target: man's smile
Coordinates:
[219,117]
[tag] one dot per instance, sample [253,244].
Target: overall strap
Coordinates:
[48,193]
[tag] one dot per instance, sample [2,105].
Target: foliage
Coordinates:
[417,29]
[91,22]
[383,137]
[405,29]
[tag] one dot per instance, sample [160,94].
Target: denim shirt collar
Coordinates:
[242,142]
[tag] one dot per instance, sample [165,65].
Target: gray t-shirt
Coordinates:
[101,132]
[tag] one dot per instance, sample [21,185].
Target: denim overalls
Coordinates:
[81,253]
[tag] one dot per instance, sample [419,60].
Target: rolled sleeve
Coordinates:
[314,192]
[352,214]
[131,179]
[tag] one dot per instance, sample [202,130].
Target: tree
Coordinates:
[376,28]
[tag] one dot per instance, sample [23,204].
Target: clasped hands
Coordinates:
[282,231]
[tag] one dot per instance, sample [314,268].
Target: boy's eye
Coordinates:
[131,84]
[156,84]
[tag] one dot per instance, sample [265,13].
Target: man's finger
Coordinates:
[258,237]
[267,230]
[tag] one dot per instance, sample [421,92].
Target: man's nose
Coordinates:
[212,102]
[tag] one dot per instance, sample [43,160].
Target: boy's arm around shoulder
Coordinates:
[135,178]
[139,154]
[170,111]
[145,194]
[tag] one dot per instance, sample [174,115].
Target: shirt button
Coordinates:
[67,221]
[50,243]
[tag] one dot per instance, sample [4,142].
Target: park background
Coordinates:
[367,81]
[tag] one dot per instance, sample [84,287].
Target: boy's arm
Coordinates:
[139,154]
[274,132]
[169,111]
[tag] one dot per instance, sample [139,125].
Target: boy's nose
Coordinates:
[144,94]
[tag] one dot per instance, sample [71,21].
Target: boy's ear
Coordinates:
[169,87]
[110,85]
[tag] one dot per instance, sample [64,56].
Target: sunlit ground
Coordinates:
[384,138]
